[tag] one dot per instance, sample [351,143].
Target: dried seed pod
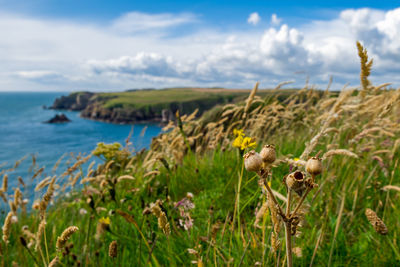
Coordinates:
[113,249]
[268,154]
[252,161]
[295,182]
[376,222]
[314,166]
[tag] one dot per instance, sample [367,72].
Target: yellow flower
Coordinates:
[238,141]
[248,143]
[105,220]
[296,159]
[238,132]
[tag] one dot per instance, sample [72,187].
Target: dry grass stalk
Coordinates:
[62,240]
[250,99]
[125,177]
[54,262]
[46,198]
[3,196]
[162,218]
[37,173]
[343,152]
[365,68]
[391,187]
[75,179]
[17,197]
[7,227]
[376,222]
[46,181]
[5,183]
[151,173]
[260,214]
[39,233]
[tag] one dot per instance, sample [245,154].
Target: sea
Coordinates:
[25,135]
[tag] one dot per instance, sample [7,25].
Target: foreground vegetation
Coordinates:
[190,199]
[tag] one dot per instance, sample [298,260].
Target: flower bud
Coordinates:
[314,166]
[295,182]
[252,161]
[268,154]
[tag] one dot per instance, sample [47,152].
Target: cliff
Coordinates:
[145,105]
[75,101]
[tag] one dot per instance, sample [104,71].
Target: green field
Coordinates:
[142,98]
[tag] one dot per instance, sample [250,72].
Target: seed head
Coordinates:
[62,240]
[314,166]
[295,182]
[113,249]
[376,222]
[7,227]
[268,154]
[252,161]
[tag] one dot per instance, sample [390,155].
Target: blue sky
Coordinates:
[115,45]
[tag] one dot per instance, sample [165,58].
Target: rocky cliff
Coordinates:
[93,106]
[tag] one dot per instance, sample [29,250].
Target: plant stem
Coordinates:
[238,196]
[288,237]
[288,234]
[300,202]
[33,257]
[263,176]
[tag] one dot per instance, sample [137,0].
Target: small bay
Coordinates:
[24,133]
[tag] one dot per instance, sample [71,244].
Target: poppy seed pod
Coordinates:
[295,182]
[252,161]
[314,166]
[268,154]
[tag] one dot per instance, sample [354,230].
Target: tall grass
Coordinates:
[188,201]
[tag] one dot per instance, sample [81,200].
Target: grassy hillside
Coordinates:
[193,199]
[150,97]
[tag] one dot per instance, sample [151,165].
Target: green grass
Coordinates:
[213,179]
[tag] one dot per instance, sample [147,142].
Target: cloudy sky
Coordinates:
[69,45]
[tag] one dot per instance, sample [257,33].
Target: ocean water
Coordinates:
[23,133]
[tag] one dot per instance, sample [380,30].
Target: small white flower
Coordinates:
[14,219]
[82,211]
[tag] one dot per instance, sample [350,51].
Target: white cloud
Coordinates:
[275,20]
[139,22]
[254,18]
[133,52]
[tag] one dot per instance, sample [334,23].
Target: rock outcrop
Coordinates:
[59,118]
[75,101]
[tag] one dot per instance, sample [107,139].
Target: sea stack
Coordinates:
[59,118]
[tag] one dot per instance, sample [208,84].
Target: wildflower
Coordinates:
[82,211]
[248,142]
[238,142]
[241,141]
[238,133]
[102,226]
[105,220]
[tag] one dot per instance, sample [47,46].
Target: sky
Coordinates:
[71,45]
